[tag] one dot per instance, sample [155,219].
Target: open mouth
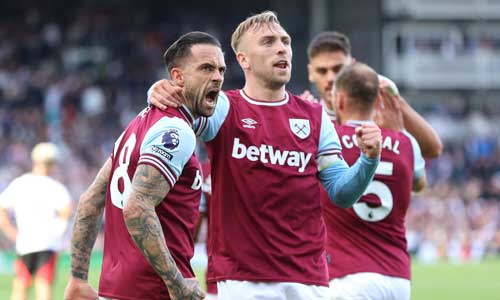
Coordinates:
[282,64]
[212,96]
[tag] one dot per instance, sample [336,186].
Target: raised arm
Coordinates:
[414,123]
[426,136]
[87,224]
[344,184]
[149,188]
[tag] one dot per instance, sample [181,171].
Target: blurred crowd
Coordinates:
[77,79]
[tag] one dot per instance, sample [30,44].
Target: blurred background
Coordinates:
[75,73]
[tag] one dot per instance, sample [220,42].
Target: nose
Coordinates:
[281,47]
[330,75]
[217,76]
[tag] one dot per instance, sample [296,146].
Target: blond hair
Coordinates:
[266,17]
[44,153]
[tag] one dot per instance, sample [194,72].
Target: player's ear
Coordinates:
[339,97]
[310,72]
[177,76]
[243,60]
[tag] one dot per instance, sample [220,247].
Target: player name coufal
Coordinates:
[387,143]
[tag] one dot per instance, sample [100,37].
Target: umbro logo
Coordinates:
[249,123]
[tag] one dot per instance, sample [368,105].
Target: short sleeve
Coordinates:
[418,159]
[329,148]
[168,146]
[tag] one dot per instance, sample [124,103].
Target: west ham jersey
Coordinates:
[266,215]
[370,236]
[165,141]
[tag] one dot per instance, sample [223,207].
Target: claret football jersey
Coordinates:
[164,140]
[370,236]
[266,216]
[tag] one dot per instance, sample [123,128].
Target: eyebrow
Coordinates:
[330,67]
[209,64]
[268,37]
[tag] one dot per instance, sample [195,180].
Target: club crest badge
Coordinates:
[300,127]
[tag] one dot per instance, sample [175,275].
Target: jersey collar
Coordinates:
[265,103]
[356,123]
[187,115]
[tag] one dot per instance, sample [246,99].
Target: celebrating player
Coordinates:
[150,190]
[328,52]
[268,148]
[366,244]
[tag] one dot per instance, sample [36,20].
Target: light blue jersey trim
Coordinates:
[418,159]
[207,128]
[329,148]
[175,157]
[346,185]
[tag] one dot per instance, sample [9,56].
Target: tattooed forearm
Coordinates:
[87,223]
[149,188]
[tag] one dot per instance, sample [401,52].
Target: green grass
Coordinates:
[439,281]
[443,281]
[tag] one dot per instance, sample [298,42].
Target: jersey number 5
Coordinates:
[382,191]
[119,198]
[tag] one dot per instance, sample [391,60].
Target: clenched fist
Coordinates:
[369,138]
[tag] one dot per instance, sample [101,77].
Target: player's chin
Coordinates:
[208,109]
[282,79]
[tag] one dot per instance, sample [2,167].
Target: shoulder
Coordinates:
[344,129]
[56,183]
[402,136]
[171,123]
[231,94]
[304,103]
[171,132]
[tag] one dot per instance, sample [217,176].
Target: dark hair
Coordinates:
[181,48]
[361,84]
[329,41]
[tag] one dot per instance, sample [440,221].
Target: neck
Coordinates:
[263,92]
[328,103]
[355,116]
[40,169]
[189,106]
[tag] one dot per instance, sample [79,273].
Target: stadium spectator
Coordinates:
[256,120]
[150,189]
[41,207]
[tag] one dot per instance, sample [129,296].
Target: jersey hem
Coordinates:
[267,279]
[343,274]
[118,297]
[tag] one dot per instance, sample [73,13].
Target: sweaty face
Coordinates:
[268,51]
[323,69]
[203,77]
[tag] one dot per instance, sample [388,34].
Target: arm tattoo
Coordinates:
[87,223]
[149,188]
